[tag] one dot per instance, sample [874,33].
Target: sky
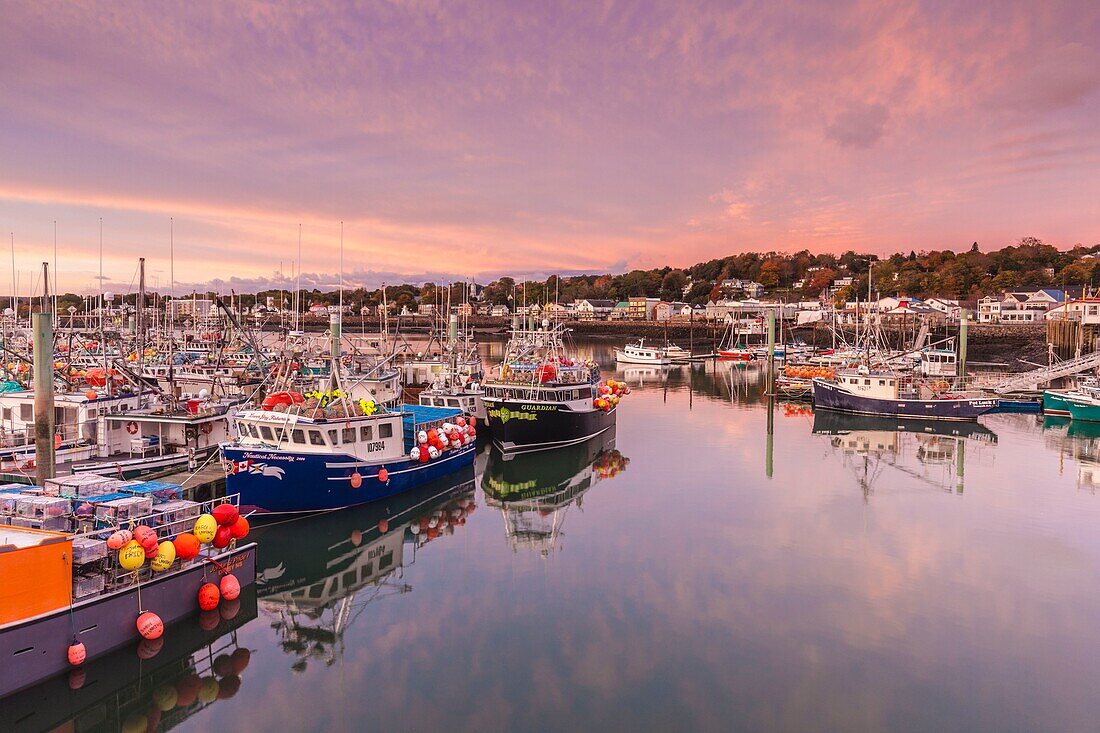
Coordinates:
[473,139]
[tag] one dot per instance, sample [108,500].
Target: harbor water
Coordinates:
[692,574]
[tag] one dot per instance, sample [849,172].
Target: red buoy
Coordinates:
[149,625]
[230,587]
[225,514]
[356,480]
[77,653]
[239,529]
[383,475]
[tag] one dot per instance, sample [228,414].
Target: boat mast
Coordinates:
[298,285]
[139,321]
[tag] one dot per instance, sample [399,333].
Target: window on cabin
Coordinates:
[298,436]
[867,381]
[882,382]
[26,412]
[332,436]
[366,432]
[452,402]
[265,431]
[315,438]
[349,435]
[385,430]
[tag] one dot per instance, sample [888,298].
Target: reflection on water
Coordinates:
[148,685]
[889,575]
[931,451]
[318,574]
[534,491]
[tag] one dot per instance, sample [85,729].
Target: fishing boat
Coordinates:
[639,353]
[543,398]
[72,597]
[869,392]
[306,454]
[1084,405]
[1056,402]
[191,668]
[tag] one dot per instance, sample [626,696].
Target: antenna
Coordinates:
[341,270]
[298,286]
[55,287]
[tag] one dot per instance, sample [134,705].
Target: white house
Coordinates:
[499,311]
[592,309]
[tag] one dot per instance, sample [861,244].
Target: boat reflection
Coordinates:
[534,491]
[317,574]
[925,450]
[1080,442]
[148,685]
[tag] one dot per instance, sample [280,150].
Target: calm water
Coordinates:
[866,580]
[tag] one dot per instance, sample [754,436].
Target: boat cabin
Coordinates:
[374,438]
[574,396]
[864,383]
[939,363]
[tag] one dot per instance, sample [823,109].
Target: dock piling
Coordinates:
[42,325]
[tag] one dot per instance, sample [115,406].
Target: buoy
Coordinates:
[356,480]
[151,551]
[187,690]
[209,690]
[149,648]
[135,723]
[145,536]
[77,653]
[240,657]
[356,538]
[228,610]
[222,537]
[230,587]
[209,620]
[209,595]
[239,529]
[383,525]
[165,697]
[205,528]
[132,555]
[57,440]
[225,514]
[118,539]
[222,665]
[149,625]
[383,475]
[229,686]
[166,555]
[76,678]
[187,545]
[91,394]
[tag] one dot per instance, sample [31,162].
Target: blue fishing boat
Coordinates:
[296,457]
[864,392]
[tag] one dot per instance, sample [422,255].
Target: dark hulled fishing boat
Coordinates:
[542,398]
[867,392]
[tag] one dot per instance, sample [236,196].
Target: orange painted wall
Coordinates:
[35,579]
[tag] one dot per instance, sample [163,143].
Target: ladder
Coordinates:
[1044,375]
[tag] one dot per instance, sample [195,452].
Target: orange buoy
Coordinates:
[239,529]
[383,475]
[187,545]
[383,526]
[149,625]
[356,480]
[77,653]
[209,595]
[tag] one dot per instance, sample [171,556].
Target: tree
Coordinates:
[770,273]
[672,285]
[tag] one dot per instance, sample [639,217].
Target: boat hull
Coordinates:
[520,426]
[1084,411]
[37,649]
[1055,402]
[727,355]
[626,358]
[828,396]
[285,482]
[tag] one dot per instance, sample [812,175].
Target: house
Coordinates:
[499,311]
[465,309]
[425,309]
[556,311]
[950,308]
[640,308]
[662,311]
[749,288]
[1019,306]
[621,311]
[592,309]
[1084,310]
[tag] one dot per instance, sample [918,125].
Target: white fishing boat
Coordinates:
[639,353]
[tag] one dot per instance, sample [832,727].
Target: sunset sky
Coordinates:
[463,138]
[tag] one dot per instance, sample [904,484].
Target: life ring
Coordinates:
[132,427]
[206,428]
